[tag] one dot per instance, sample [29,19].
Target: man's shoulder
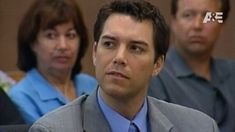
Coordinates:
[166,107]
[63,117]
[183,118]
[226,64]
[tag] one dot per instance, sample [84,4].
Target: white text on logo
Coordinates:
[213,16]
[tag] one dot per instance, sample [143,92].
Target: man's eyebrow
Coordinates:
[108,37]
[139,42]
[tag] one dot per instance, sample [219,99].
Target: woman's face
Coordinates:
[56,48]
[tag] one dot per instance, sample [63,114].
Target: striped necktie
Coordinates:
[133,128]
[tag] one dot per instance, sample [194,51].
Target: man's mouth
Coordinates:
[117,74]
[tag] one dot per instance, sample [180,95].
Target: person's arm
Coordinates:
[8,111]
[25,105]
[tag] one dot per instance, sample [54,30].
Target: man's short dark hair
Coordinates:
[225,8]
[46,14]
[139,10]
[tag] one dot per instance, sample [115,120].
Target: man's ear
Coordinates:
[94,49]
[158,65]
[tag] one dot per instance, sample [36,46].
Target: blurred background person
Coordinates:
[5,81]
[192,76]
[8,112]
[52,40]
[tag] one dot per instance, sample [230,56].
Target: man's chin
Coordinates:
[116,91]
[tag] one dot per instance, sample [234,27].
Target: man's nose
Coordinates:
[198,23]
[120,57]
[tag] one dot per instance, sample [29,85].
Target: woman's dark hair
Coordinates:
[46,14]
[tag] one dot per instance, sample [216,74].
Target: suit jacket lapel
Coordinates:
[158,121]
[93,119]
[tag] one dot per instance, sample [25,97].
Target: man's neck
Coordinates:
[128,108]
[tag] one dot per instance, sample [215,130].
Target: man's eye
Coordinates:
[108,44]
[136,49]
[188,15]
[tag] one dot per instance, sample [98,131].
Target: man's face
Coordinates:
[124,57]
[193,37]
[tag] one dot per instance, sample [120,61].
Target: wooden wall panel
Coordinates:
[11,12]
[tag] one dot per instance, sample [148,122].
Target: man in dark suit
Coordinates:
[131,40]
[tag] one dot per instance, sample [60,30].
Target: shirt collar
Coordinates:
[45,90]
[118,123]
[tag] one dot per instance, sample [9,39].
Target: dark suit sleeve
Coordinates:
[8,111]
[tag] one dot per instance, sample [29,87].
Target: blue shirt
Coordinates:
[118,123]
[35,96]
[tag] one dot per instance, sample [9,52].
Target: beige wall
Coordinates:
[11,12]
